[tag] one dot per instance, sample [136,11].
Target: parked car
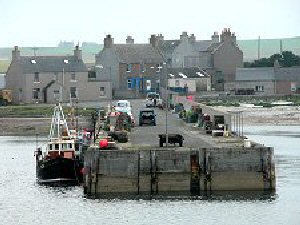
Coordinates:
[147,117]
[153,100]
[123,106]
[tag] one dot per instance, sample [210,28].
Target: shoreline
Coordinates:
[276,116]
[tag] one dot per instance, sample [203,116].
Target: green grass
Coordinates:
[39,111]
[4,64]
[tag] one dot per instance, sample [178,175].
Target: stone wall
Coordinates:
[156,171]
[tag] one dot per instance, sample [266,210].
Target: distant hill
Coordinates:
[4,64]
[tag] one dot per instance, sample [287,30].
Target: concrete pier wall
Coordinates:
[155,171]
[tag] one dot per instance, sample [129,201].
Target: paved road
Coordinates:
[148,135]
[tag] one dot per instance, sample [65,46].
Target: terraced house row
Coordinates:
[130,70]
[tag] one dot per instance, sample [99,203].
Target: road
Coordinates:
[148,135]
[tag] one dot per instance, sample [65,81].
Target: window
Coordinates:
[91,75]
[259,88]
[36,77]
[129,67]
[73,92]
[158,67]
[56,94]
[142,67]
[129,83]
[50,146]
[56,146]
[102,91]
[176,83]
[35,93]
[73,77]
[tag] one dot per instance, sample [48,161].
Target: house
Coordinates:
[48,79]
[132,68]
[188,80]
[268,80]
[219,56]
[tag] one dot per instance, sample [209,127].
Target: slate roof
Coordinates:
[189,72]
[136,53]
[254,74]
[201,46]
[169,45]
[288,73]
[51,64]
[268,73]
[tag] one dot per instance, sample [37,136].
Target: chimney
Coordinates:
[192,38]
[153,41]
[226,36]
[129,40]
[77,53]
[160,39]
[15,54]
[108,41]
[215,38]
[184,36]
[233,37]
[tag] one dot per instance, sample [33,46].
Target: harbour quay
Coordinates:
[206,163]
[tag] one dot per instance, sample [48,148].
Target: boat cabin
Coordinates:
[61,148]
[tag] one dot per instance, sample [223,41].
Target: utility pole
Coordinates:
[258,48]
[167,103]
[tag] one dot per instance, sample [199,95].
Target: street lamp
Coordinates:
[167,103]
[66,61]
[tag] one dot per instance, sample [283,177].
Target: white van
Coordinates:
[153,99]
[123,106]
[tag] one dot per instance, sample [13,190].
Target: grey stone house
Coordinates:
[268,81]
[48,79]
[133,68]
[219,56]
[188,80]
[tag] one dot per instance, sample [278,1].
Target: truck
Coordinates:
[5,97]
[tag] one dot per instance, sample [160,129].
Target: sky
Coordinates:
[45,23]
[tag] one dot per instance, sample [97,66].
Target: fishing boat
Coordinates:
[59,161]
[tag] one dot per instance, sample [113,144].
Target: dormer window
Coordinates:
[33,61]
[66,61]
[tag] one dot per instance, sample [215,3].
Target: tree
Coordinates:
[286,59]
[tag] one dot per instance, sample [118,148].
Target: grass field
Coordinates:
[38,111]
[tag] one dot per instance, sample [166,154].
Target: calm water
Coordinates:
[22,201]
